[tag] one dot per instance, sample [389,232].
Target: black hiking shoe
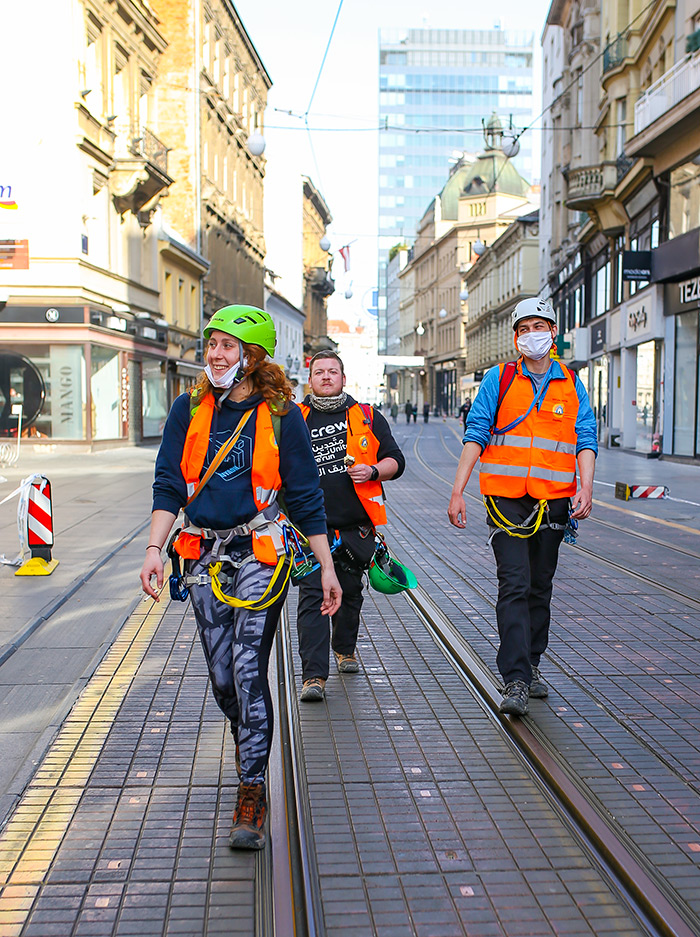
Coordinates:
[248,829]
[515,696]
[538,688]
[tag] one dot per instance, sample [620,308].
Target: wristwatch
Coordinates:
[375,474]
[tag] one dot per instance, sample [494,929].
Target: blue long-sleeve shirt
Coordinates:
[227,498]
[483,410]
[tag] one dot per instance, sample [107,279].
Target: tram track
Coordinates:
[287,894]
[657,907]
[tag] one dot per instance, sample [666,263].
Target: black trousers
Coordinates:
[314,629]
[525,569]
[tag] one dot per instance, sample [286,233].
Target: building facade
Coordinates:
[479,202]
[505,273]
[210,97]
[289,327]
[83,344]
[624,226]
[318,265]
[435,85]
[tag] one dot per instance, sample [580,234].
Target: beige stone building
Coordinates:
[318,263]
[506,272]
[86,345]
[211,96]
[633,196]
[480,200]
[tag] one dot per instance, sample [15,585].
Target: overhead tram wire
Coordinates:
[313,93]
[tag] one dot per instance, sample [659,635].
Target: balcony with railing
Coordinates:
[588,185]
[673,98]
[615,53]
[140,174]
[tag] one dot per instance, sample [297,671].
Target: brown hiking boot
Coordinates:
[347,663]
[248,828]
[313,690]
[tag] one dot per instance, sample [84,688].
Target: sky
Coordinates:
[336,142]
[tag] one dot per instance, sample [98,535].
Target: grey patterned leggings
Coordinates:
[237,645]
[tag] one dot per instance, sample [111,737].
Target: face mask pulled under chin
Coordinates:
[534,345]
[223,381]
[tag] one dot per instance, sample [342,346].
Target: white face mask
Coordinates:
[534,345]
[223,380]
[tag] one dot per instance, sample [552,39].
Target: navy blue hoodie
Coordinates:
[227,498]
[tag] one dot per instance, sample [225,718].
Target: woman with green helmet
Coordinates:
[228,448]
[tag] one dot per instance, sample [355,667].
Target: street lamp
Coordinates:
[479,248]
[464,295]
[325,243]
[511,149]
[288,362]
[419,329]
[443,313]
[256,144]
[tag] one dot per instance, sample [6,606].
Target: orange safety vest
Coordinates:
[538,456]
[363,445]
[265,474]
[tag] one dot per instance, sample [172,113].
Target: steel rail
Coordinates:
[669,590]
[645,893]
[288,897]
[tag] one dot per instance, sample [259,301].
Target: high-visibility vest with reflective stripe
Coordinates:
[538,456]
[363,445]
[265,473]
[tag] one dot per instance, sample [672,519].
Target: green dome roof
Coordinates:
[490,172]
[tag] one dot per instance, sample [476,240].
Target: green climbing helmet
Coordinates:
[389,576]
[246,323]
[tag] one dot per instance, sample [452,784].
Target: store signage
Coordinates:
[689,291]
[65,381]
[636,265]
[14,255]
[637,319]
[125,401]
[598,337]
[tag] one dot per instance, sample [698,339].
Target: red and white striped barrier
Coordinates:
[40,518]
[643,491]
[624,492]
[34,526]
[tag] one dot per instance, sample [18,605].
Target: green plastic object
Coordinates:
[248,323]
[388,575]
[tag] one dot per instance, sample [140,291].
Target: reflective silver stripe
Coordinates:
[494,468]
[265,495]
[554,445]
[551,475]
[510,439]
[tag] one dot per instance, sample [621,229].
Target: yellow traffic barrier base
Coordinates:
[37,566]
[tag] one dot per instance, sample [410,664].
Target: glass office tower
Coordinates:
[435,87]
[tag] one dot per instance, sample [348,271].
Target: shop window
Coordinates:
[104,387]
[683,200]
[154,397]
[685,384]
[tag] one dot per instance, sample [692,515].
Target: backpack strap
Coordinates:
[368,411]
[507,377]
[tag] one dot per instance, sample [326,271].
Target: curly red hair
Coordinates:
[267,379]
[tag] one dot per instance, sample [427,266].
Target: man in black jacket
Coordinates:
[355,452]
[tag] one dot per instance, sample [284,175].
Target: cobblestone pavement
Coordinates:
[424,820]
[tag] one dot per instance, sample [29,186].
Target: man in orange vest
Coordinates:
[355,452]
[529,425]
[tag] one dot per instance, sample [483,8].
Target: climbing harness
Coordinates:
[539,516]
[529,526]
[289,543]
